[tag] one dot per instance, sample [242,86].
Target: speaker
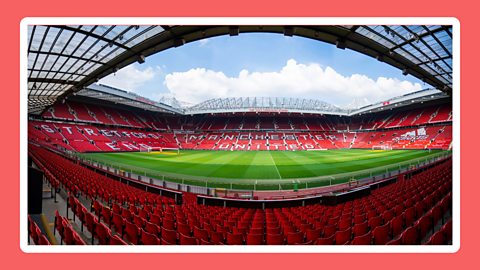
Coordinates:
[35,189]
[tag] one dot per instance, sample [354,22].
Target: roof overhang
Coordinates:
[65,59]
[117,96]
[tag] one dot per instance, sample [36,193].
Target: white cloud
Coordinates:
[131,77]
[293,80]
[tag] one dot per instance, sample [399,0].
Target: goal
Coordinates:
[382,147]
[146,148]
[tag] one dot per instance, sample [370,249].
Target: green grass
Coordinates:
[262,169]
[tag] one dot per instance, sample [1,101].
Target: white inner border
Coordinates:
[239,21]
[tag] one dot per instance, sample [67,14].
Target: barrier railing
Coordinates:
[244,187]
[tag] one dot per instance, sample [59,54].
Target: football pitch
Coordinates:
[262,169]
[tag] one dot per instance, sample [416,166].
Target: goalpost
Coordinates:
[382,147]
[149,149]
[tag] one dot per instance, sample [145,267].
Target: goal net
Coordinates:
[166,150]
[382,147]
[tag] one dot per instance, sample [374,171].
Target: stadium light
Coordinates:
[340,43]
[405,72]
[178,42]
[141,59]
[233,30]
[288,31]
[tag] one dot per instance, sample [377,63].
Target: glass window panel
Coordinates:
[433,27]
[400,34]
[48,43]
[101,29]
[31,59]
[67,64]
[87,28]
[115,32]
[39,61]
[62,41]
[48,62]
[408,56]
[84,47]
[442,79]
[34,74]
[144,35]
[37,37]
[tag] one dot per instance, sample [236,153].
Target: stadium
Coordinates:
[108,166]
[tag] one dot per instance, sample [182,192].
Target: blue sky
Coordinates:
[272,64]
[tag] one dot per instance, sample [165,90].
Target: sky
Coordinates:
[264,65]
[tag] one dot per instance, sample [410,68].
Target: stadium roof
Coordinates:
[118,96]
[307,106]
[65,59]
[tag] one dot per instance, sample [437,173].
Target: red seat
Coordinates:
[254,239]
[365,239]
[447,229]
[58,224]
[381,234]
[117,209]
[140,222]
[217,238]
[374,222]
[184,229]
[343,237]
[187,240]
[275,239]
[77,240]
[437,238]
[169,235]
[397,225]
[325,241]
[388,215]
[168,224]
[234,239]
[42,240]
[115,240]
[360,229]
[424,225]
[102,233]
[313,234]
[295,238]
[132,232]
[205,242]
[329,230]
[91,220]
[68,233]
[344,224]
[156,219]
[107,215]
[152,228]
[396,241]
[149,239]
[118,223]
[126,214]
[409,216]
[81,212]
[165,242]
[274,230]
[437,214]
[410,236]
[256,231]
[200,233]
